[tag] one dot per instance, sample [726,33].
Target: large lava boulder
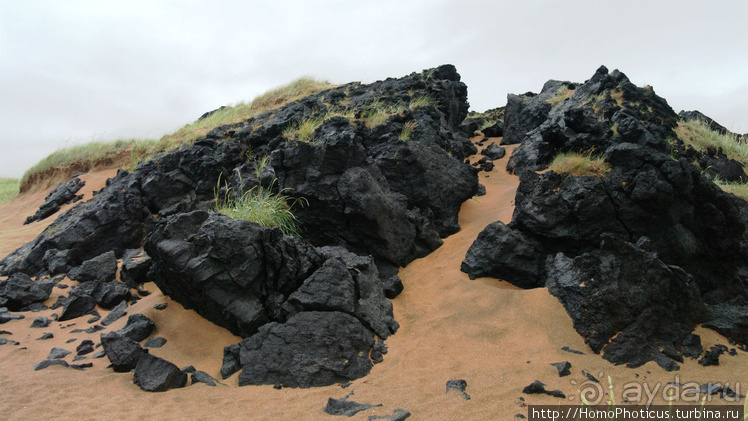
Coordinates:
[618,294]
[309,315]
[20,291]
[696,231]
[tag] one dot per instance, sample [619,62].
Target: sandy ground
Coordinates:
[496,337]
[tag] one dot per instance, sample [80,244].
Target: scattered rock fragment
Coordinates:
[493,152]
[155,342]
[203,377]
[64,193]
[711,357]
[538,387]
[102,268]
[85,347]
[47,363]
[117,313]
[460,386]
[345,407]
[58,353]
[564,368]
[41,322]
[45,336]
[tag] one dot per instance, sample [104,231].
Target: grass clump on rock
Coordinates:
[260,205]
[698,135]
[580,165]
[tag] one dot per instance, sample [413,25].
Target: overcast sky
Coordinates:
[78,71]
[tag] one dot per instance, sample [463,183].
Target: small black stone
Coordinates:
[155,342]
[45,336]
[57,353]
[563,368]
[346,407]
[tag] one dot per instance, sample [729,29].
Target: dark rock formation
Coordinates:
[102,268]
[63,194]
[393,286]
[346,407]
[695,252]
[6,316]
[20,291]
[123,352]
[367,192]
[730,319]
[135,265]
[57,353]
[619,295]
[154,374]
[310,349]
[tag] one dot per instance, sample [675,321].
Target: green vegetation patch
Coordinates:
[577,164]
[699,136]
[9,188]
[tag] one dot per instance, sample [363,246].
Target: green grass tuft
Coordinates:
[9,188]
[261,205]
[407,132]
[577,164]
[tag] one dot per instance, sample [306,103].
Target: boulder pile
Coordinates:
[638,256]
[382,178]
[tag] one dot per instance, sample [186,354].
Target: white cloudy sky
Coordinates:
[75,71]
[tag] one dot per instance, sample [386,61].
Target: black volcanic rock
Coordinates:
[625,300]
[64,193]
[102,268]
[154,374]
[20,291]
[729,319]
[310,349]
[155,342]
[494,151]
[135,265]
[138,327]
[696,249]
[538,387]
[40,322]
[346,407]
[113,221]
[381,201]
[564,368]
[123,352]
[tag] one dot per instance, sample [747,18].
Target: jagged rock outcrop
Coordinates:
[286,297]
[63,194]
[692,226]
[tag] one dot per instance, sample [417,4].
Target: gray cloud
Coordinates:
[77,71]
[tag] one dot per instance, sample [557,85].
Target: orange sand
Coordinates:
[495,336]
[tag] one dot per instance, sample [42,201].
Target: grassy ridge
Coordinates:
[8,189]
[63,163]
